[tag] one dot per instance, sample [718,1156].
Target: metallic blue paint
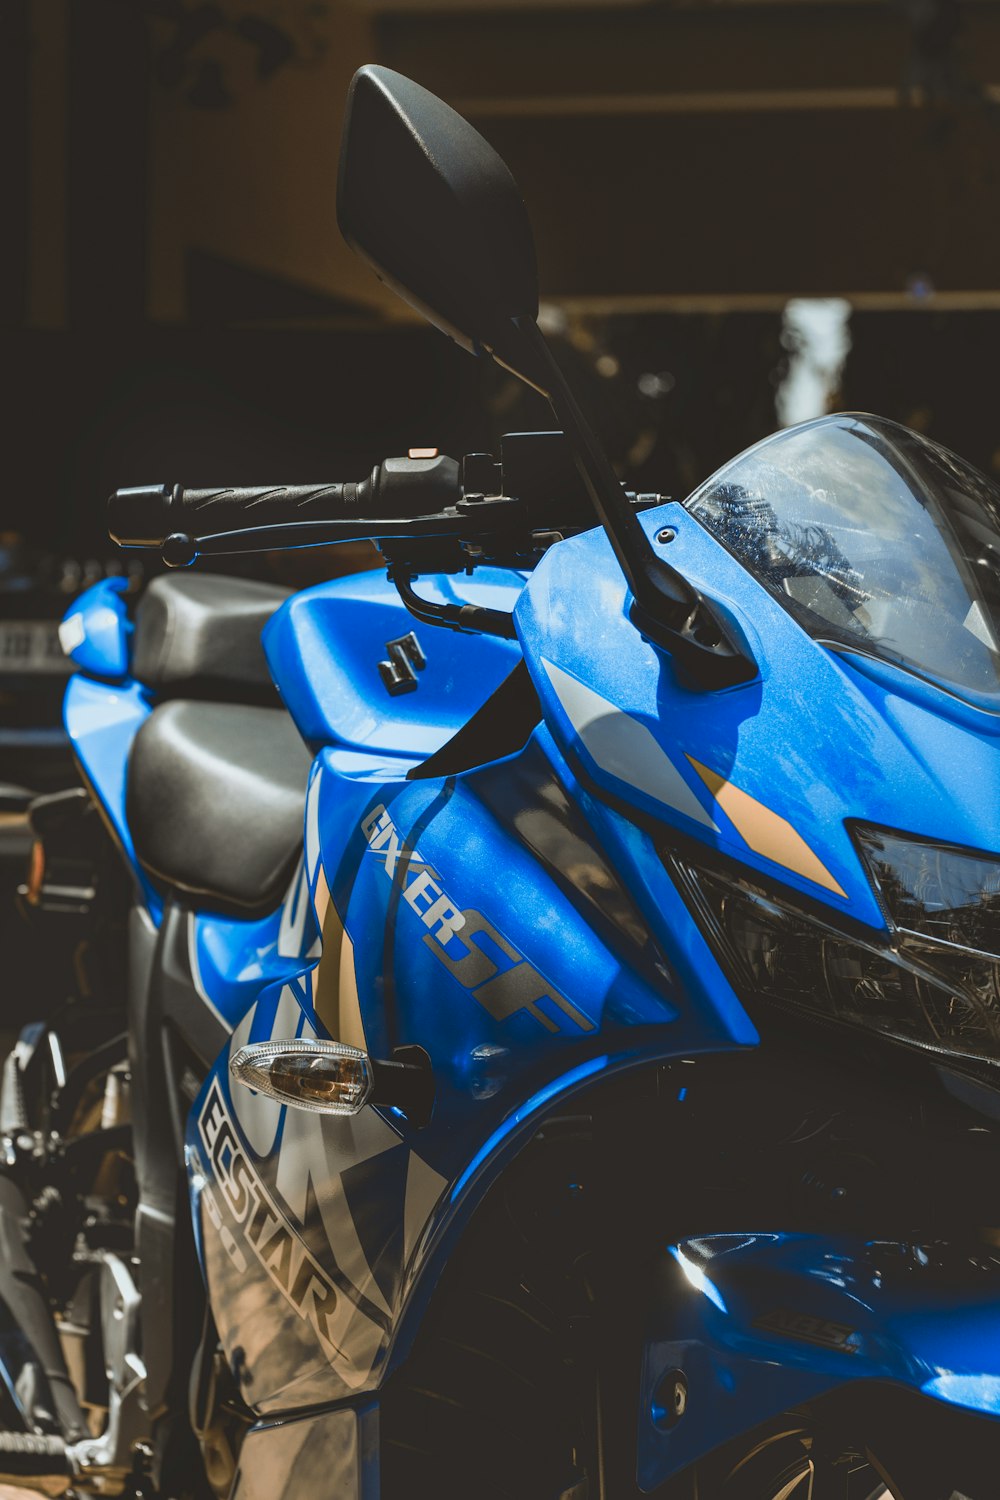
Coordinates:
[336,695]
[234,959]
[102,720]
[494,1075]
[99,624]
[720,1018]
[760,1322]
[814,738]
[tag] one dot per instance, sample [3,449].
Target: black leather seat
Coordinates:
[216,800]
[197,635]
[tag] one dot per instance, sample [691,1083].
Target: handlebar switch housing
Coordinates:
[416,486]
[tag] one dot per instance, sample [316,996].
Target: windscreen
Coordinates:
[873,537]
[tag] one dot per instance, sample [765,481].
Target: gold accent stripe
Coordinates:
[334,980]
[765,832]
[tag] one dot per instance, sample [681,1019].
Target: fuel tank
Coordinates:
[325,644]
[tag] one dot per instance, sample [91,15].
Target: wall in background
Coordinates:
[180,304]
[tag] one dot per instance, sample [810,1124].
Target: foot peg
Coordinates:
[35,1462]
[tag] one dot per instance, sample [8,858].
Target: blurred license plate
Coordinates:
[31,646]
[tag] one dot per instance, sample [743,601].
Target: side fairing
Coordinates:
[102,719]
[231,959]
[480,918]
[96,632]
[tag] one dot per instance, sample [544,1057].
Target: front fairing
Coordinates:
[769,773]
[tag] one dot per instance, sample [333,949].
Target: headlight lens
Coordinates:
[935,984]
[933,891]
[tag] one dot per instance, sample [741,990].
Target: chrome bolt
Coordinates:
[670,1399]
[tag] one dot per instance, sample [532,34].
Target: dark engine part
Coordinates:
[21,1290]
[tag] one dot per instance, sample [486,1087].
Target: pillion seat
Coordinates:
[197,635]
[216,801]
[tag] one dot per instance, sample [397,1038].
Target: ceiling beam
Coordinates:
[482,57]
[736,151]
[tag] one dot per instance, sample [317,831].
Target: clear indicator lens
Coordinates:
[328,1078]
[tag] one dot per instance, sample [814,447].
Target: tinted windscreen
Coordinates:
[873,537]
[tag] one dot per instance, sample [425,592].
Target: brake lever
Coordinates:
[499,515]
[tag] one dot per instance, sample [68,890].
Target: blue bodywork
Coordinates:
[96,633]
[758,1323]
[859,739]
[518,923]
[329,693]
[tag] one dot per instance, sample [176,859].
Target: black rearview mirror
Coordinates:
[431,206]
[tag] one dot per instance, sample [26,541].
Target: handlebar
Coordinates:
[429,514]
[146,516]
[393,500]
[426,512]
[424,501]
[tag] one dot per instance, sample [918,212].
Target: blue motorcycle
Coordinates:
[558,1049]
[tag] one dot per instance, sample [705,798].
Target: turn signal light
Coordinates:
[330,1078]
[333,1078]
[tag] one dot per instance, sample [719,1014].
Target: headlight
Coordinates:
[935,892]
[935,983]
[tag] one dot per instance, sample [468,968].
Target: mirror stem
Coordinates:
[603,486]
[666,608]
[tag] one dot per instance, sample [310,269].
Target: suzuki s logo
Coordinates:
[497,975]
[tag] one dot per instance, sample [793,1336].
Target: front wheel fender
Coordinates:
[746,1326]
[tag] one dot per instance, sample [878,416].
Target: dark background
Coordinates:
[178,306]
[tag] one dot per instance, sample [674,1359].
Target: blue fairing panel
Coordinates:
[102,720]
[233,959]
[324,646]
[771,772]
[758,1323]
[96,632]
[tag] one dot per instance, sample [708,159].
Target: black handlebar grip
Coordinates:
[146,516]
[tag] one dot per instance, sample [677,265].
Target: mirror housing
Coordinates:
[435,211]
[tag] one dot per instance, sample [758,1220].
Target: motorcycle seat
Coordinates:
[215,803]
[197,635]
